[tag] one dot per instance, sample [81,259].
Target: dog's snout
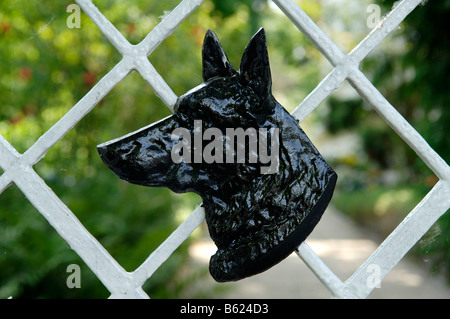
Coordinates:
[107,156]
[112,153]
[142,157]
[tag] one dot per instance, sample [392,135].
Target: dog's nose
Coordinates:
[115,156]
[107,156]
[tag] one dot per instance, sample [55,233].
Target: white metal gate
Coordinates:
[18,168]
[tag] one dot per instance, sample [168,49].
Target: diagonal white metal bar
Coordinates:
[329,84]
[156,82]
[8,154]
[135,54]
[336,77]
[345,64]
[388,24]
[108,29]
[311,31]
[152,40]
[165,250]
[38,150]
[369,93]
[320,269]
[357,79]
[112,275]
[327,47]
[367,90]
[402,239]
[168,25]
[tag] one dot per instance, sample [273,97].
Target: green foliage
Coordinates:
[378,207]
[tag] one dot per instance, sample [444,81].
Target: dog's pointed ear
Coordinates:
[255,67]
[215,61]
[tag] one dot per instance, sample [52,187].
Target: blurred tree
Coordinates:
[226,8]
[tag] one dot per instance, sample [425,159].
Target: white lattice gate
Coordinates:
[18,168]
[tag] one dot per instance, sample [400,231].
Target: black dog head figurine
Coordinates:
[263,183]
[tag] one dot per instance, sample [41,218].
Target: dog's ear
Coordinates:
[255,68]
[215,61]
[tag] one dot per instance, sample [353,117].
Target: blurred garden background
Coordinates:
[46,67]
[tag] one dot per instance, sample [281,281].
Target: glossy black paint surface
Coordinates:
[255,219]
